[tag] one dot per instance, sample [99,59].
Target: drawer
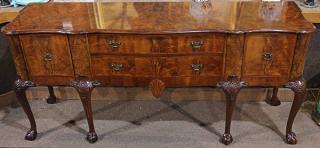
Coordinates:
[192,43]
[192,66]
[47,55]
[127,66]
[143,44]
[268,55]
[106,43]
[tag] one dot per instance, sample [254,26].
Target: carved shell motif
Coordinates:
[157,87]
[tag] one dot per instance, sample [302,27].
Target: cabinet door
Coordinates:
[268,55]
[47,55]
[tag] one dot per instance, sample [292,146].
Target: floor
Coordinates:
[157,124]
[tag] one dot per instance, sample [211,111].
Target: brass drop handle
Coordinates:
[196,44]
[267,56]
[114,43]
[47,56]
[196,67]
[116,66]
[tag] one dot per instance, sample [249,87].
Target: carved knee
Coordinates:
[20,85]
[232,85]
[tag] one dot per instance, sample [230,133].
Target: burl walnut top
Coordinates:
[160,17]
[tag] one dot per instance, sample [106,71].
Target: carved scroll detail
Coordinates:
[20,85]
[297,86]
[84,87]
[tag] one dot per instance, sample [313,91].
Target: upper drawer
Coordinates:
[173,43]
[268,54]
[191,43]
[47,55]
[109,43]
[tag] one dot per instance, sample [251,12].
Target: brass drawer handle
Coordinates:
[116,66]
[47,56]
[196,44]
[267,56]
[114,43]
[196,67]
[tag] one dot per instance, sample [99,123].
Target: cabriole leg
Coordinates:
[20,88]
[52,97]
[299,89]
[274,100]
[84,89]
[231,88]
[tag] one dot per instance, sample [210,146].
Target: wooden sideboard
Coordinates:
[161,44]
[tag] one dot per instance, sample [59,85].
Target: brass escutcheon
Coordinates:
[196,67]
[47,56]
[267,56]
[114,43]
[196,44]
[116,66]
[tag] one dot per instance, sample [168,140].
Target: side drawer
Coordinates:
[48,58]
[268,55]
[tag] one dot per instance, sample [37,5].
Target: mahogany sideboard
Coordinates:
[161,44]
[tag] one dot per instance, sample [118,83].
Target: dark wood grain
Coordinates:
[18,57]
[80,55]
[233,55]
[300,56]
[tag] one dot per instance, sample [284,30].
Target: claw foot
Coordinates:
[291,138]
[31,135]
[92,137]
[226,139]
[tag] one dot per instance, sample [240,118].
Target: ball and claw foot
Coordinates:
[291,138]
[31,135]
[92,137]
[226,139]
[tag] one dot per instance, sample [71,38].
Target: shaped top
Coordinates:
[160,17]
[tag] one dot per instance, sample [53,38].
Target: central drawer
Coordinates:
[130,70]
[144,44]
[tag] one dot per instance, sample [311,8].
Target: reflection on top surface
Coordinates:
[161,17]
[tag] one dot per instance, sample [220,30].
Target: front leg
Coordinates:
[84,89]
[231,88]
[20,88]
[299,89]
